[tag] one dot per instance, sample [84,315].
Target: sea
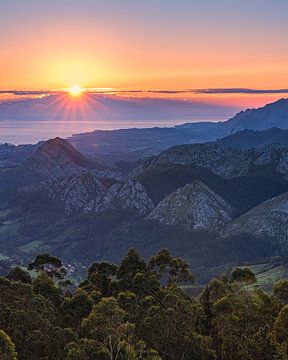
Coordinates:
[30,132]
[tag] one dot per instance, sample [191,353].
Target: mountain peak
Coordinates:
[271,115]
[77,192]
[57,157]
[57,146]
[269,219]
[195,207]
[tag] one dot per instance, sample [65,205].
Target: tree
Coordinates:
[243,275]
[280,290]
[51,265]
[7,347]
[129,267]
[83,349]
[101,276]
[171,326]
[107,326]
[45,286]
[263,346]
[77,307]
[207,311]
[281,325]
[218,289]
[176,269]
[17,274]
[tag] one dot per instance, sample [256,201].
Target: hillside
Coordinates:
[269,116]
[185,199]
[247,139]
[194,207]
[129,145]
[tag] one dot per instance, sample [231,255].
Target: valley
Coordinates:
[209,203]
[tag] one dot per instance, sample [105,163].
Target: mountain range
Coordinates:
[126,146]
[216,204]
[132,144]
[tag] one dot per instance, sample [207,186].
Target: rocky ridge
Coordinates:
[268,116]
[224,161]
[57,157]
[194,207]
[77,192]
[269,219]
[126,195]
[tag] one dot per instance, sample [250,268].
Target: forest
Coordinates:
[146,310]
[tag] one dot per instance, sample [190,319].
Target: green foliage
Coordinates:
[140,311]
[17,274]
[280,290]
[7,348]
[107,326]
[44,285]
[281,325]
[176,269]
[101,276]
[245,276]
[51,265]
[77,307]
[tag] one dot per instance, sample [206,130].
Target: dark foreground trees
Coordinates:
[139,310]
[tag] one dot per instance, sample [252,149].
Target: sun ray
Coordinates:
[75,91]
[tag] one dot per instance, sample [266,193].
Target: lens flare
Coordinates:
[75,91]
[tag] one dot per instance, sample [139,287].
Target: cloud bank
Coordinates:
[150,91]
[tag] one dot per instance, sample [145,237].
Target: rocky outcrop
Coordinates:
[195,207]
[248,139]
[226,162]
[221,160]
[77,193]
[269,219]
[126,195]
[268,116]
[57,157]
[110,173]
[275,156]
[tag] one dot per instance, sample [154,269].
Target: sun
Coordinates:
[75,91]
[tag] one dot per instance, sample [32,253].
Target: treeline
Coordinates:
[139,310]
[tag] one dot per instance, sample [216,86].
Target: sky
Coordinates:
[155,44]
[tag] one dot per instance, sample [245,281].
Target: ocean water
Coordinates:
[29,132]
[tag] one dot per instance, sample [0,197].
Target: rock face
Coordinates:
[275,156]
[247,139]
[221,160]
[57,157]
[226,162]
[271,115]
[269,219]
[195,207]
[79,192]
[126,195]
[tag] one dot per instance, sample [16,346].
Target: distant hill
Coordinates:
[194,207]
[212,203]
[268,116]
[269,219]
[247,139]
[57,157]
[130,145]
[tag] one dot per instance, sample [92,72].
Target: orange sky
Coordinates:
[157,44]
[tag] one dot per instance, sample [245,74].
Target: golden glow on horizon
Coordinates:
[75,91]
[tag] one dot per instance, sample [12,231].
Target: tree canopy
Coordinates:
[139,310]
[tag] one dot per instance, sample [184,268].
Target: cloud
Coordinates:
[241,91]
[151,91]
[29,92]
